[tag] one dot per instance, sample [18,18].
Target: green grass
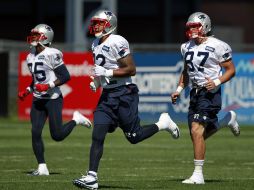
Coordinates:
[157,163]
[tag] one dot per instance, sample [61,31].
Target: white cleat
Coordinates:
[42,170]
[81,120]
[166,123]
[194,180]
[88,181]
[232,124]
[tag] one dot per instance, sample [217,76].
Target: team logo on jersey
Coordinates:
[41,57]
[208,48]
[123,50]
[58,58]
[226,56]
[105,48]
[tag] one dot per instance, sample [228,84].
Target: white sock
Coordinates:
[159,125]
[42,166]
[93,173]
[198,166]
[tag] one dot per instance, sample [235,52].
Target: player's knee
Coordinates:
[36,133]
[98,139]
[57,137]
[197,131]
[133,138]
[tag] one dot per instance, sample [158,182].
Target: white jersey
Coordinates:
[106,55]
[42,68]
[204,60]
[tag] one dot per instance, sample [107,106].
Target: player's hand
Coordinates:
[174,97]
[101,71]
[210,85]
[41,87]
[23,94]
[95,83]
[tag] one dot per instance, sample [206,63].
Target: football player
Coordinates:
[204,58]
[118,104]
[48,73]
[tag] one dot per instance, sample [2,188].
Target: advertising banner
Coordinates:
[76,92]
[238,94]
[158,75]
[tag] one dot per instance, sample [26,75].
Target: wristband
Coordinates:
[109,73]
[52,84]
[179,89]
[217,82]
[29,89]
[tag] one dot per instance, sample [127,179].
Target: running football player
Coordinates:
[204,58]
[118,104]
[48,73]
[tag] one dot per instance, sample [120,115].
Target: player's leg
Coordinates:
[198,118]
[199,148]
[104,120]
[228,121]
[38,117]
[129,119]
[58,131]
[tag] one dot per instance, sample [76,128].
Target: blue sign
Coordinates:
[157,77]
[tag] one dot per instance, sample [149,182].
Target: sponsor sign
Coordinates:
[157,77]
[238,94]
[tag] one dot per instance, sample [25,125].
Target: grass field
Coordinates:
[158,163]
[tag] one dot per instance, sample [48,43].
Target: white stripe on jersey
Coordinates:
[42,68]
[204,60]
[107,53]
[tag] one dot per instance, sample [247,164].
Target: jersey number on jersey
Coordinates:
[40,75]
[101,57]
[190,55]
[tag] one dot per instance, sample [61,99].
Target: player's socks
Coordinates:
[197,176]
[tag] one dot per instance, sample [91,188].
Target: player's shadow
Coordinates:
[206,181]
[51,173]
[113,187]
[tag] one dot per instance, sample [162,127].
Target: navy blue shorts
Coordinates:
[119,107]
[204,107]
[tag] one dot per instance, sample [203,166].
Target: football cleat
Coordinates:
[166,123]
[88,181]
[81,120]
[230,121]
[232,124]
[42,170]
[195,179]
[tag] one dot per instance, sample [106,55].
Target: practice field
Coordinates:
[158,163]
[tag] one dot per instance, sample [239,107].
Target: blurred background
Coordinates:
[150,26]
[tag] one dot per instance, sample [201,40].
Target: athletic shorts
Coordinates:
[118,107]
[204,107]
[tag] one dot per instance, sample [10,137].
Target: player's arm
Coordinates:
[227,75]
[229,71]
[183,82]
[126,67]
[62,75]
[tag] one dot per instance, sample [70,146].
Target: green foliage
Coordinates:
[157,163]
